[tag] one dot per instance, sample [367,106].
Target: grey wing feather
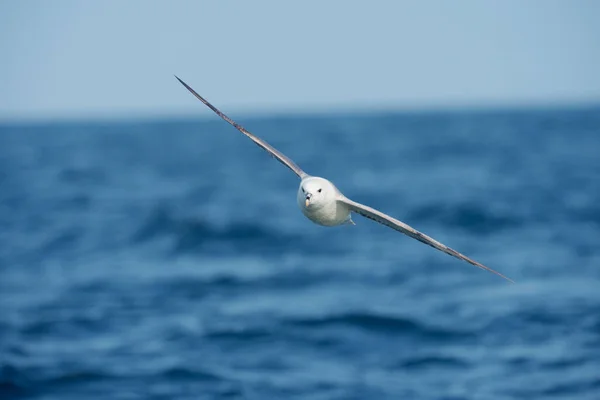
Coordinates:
[261,143]
[400,226]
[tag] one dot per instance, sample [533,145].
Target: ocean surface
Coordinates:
[167,259]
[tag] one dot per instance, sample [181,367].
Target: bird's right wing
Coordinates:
[261,143]
[400,226]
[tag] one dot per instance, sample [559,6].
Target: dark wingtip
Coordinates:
[189,88]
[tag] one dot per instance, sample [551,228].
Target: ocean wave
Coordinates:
[10,389]
[62,240]
[383,324]
[468,217]
[14,384]
[184,373]
[197,288]
[82,176]
[576,386]
[74,377]
[243,334]
[12,381]
[189,235]
[434,361]
[74,326]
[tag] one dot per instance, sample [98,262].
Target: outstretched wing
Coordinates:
[400,226]
[270,149]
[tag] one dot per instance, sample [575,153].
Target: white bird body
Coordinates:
[318,201]
[322,203]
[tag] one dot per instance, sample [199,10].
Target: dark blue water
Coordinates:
[168,259]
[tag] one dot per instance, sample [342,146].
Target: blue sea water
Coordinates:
[168,259]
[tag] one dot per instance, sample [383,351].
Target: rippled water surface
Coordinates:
[168,259]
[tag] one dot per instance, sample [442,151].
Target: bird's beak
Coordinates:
[307,202]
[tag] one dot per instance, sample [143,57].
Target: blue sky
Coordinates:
[113,58]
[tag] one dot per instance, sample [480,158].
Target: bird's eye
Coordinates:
[302,190]
[319,190]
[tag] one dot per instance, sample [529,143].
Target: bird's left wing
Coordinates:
[400,226]
[282,158]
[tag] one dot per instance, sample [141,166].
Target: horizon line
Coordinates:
[294,111]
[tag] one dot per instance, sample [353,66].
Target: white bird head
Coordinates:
[315,192]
